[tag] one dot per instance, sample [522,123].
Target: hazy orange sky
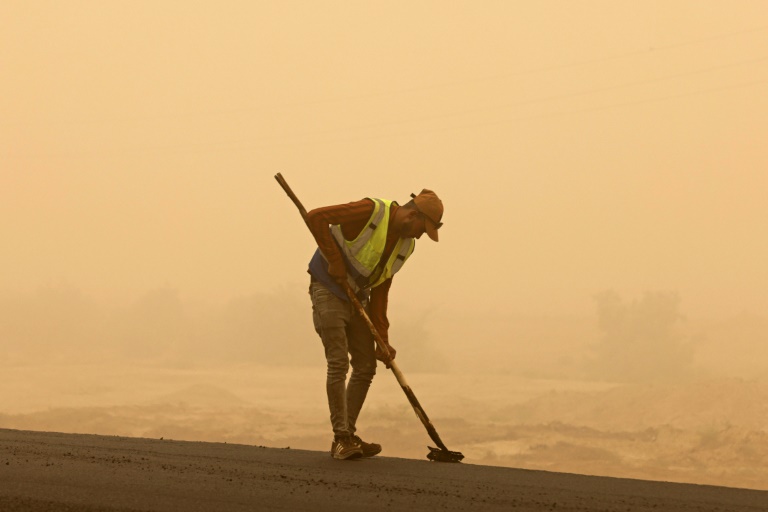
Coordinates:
[577,146]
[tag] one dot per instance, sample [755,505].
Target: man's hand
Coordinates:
[381,356]
[338,273]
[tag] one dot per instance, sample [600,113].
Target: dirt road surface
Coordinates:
[87,473]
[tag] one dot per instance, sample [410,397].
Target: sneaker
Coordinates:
[369,449]
[345,448]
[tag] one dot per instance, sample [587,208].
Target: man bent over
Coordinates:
[363,244]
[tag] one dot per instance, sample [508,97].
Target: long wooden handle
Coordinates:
[284,184]
[351,294]
[376,336]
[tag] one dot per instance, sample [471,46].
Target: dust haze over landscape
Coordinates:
[598,299]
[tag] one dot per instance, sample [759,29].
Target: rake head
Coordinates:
[440,455]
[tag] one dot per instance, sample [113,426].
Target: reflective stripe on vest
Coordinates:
[363,254]
[400,253]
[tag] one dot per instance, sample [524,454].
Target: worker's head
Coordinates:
[424,212]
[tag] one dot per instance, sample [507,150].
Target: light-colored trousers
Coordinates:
[346,340]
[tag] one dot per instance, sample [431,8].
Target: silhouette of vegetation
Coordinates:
[63,325]
[640,339]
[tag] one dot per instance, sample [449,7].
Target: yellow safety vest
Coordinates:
[363,254]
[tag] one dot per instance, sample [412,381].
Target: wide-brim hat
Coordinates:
[429,205]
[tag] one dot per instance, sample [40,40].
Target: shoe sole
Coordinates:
[373,454]
[350,456]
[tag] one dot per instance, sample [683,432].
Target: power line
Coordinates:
[186,148]
[552,97]
[541,69]
[596,109]
[494,108]
[440,85]
[511,120]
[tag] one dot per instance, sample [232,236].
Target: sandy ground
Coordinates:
[69,472]
[710,432]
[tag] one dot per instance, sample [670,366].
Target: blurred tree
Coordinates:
[640,339]
[153,328]
[55,323]
[269,327]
